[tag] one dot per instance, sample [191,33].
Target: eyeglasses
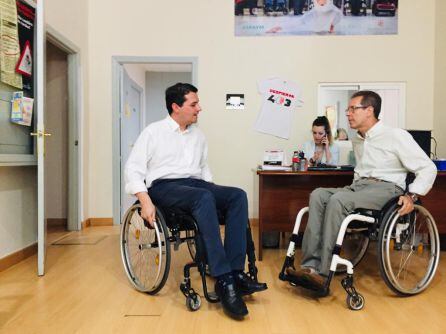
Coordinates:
[352,109]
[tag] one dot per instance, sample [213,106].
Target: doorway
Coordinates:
[56,147]
[63,177]
[139,84]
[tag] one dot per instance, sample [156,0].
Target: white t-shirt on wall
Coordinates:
[280,100]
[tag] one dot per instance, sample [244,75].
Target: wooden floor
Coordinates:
[85,290]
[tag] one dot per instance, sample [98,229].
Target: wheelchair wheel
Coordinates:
[145,251]
[355,303]
[354,247]
[408,250]
[193,302]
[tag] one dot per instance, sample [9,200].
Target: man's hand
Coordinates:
[317,157]
[148,210]
[406,205]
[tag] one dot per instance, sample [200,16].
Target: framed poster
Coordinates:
[315,17]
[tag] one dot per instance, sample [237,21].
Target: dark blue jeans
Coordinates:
[202,199]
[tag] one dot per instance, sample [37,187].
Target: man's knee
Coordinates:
[318,195]
[339,200]
[204,197]
[239,195]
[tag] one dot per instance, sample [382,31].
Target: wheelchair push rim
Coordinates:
[409,251]
[145,251]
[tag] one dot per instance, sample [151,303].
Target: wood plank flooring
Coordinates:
[85,290]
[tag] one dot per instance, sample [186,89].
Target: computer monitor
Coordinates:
[423,138]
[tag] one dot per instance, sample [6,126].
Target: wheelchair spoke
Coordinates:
[402,266]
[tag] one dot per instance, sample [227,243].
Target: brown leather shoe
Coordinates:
[308,276]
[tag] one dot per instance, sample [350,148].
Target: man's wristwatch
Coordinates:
[413,197]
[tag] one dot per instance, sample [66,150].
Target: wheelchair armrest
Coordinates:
[368,212]
[378,214]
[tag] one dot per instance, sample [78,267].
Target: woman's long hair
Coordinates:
[323,121]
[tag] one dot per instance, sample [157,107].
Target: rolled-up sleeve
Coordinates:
[416,161]
[205,170]
[136,166]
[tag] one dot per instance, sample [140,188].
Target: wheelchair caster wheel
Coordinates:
[193,302]
[355,303]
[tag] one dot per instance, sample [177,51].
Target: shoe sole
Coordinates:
[305,281]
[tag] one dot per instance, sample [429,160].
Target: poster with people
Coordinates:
[315,17]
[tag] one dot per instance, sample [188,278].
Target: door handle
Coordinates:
[41,133]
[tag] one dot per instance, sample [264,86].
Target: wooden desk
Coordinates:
[283,194]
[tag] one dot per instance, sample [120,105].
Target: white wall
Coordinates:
[228,64]
[18,208]
[440,79]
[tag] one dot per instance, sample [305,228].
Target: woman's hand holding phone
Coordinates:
[324,140]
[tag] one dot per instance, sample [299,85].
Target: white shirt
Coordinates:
[388,154]
[309,148]
[163,151]
[280,99]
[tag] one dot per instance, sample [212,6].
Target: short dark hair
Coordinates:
[323,121]
[176,94]
[369,99]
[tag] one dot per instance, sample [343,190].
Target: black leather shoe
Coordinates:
[231,300]
[247,285]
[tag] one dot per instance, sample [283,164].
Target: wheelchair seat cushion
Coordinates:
[178,218]
[182,219]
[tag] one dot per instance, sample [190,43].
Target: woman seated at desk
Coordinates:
[321,149]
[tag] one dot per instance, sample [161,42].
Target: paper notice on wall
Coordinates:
[22,109]
[27,111]
[9,47]
[16,107]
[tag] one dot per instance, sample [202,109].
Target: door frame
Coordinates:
[75,135]
[141,120]
[117,67]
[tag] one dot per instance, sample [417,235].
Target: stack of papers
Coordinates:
[272,167]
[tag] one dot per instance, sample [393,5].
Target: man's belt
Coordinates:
[370,178]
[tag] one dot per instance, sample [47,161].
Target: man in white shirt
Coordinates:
[384,156]
[168,167]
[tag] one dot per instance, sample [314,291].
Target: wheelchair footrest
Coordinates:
[212,297]
[296,281]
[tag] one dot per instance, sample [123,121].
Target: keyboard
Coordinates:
[324,167]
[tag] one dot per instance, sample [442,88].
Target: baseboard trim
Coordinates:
[16,257]
[100,221]
[85,223]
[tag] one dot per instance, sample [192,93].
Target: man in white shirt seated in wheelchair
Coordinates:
[168,165]
[384,156]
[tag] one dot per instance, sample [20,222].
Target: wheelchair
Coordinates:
[146,252]
[408,250]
